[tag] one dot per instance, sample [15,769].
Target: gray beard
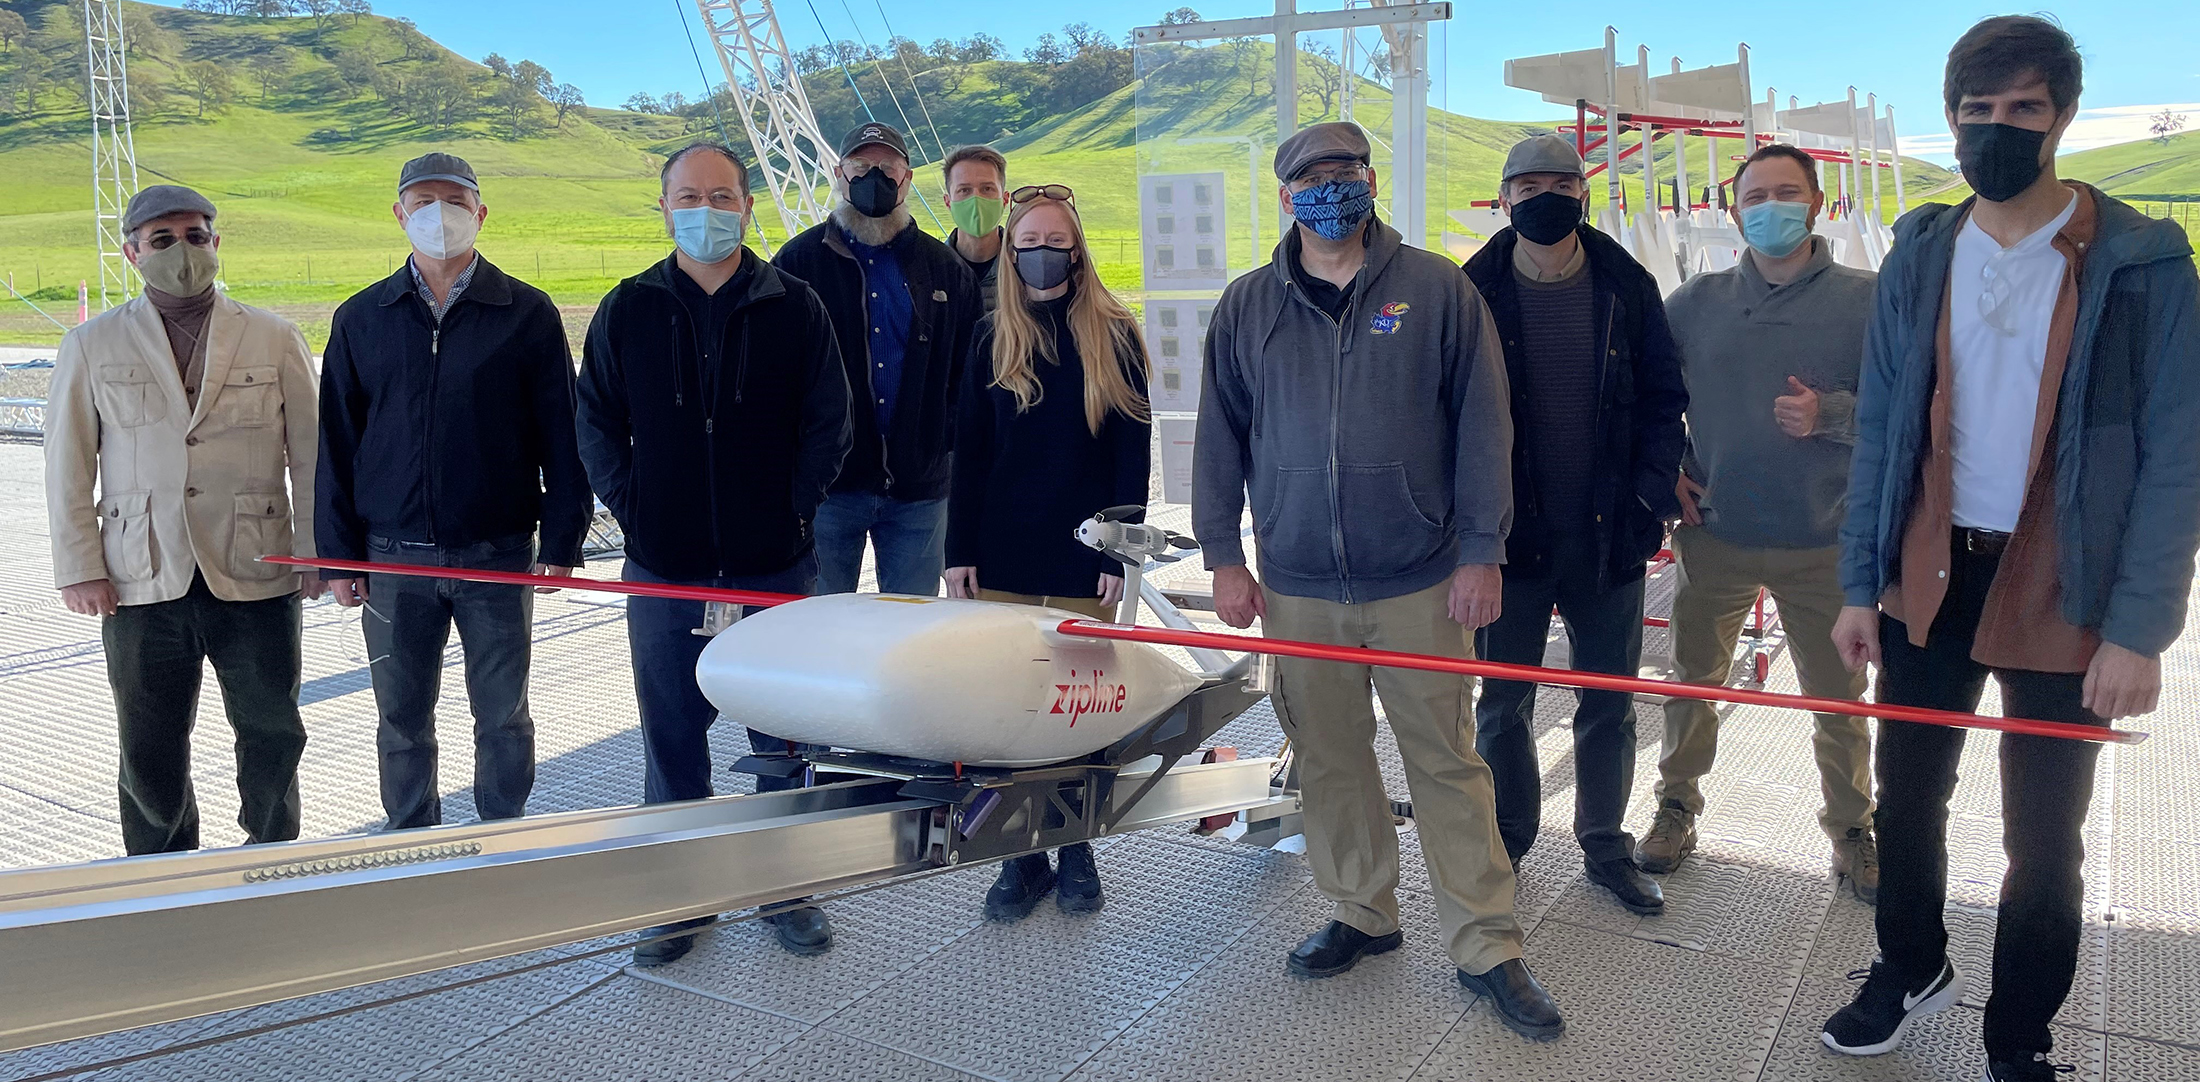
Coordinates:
[873,232]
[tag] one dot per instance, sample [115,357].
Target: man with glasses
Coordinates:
[977,199]
[187,411]
[713,414]
[903,307]
[1354,389]
[1597,400]
[1770,350]
[2021,505]
[447,440]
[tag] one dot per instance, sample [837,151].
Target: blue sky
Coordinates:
[2138,53]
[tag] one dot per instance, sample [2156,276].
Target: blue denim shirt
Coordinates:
[887,303]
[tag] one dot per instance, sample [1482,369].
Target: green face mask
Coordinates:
[978,216]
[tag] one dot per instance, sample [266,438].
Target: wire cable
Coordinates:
[912,76]
[878,64]
[867,111]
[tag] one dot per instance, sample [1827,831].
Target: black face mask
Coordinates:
[874,194]
[1999,161]
[1043,267]
[1547,218]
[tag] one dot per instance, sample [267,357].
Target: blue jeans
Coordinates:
[407,625]
[1604,630]
[910,537]
[676,718]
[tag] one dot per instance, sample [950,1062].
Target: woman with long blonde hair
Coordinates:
[1052,427]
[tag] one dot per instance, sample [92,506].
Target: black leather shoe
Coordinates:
[1638,892]
[1077,880]
[1519,1001]
[1338,947]
[1023,881]
[664,951]
[803,931]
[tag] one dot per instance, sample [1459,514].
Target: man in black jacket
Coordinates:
[904,306]
[713,415]
[447,439]
[1597,400]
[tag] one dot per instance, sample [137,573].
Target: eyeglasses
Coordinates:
[1029,192]
[1320,177]
[195,237]
[856,167]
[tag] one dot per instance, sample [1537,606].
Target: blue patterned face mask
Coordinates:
[1333,209]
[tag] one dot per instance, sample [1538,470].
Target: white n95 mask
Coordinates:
[441,230]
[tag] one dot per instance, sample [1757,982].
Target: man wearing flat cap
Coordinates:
[179,450]
[447,439]
[1354,388]
[904,307]
[1597,401]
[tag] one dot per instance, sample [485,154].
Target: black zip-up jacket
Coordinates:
[719,477]
[911,462]
[449,435]
[1638,424]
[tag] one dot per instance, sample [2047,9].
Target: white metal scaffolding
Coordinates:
[114,154]
[793,154]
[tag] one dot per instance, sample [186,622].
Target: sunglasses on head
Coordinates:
[1029,192]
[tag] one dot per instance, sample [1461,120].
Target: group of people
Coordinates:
[1975,463]
[750,424]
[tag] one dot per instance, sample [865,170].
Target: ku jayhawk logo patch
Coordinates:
[1386,320]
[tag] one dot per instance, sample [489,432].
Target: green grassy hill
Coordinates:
[302,152]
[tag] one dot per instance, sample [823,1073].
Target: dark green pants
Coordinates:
[156,657]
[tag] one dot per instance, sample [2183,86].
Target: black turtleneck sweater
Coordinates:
[1023,481]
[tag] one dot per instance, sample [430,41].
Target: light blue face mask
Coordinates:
[707,234]
[1776,228]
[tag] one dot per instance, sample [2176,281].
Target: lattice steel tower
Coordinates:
[114,154]
[795,157]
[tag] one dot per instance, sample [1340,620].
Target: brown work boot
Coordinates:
[1672,837]
[1856,859]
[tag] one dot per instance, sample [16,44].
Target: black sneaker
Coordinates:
[1077,880]
[1873,1022]
[1022,882]
[2032,1068]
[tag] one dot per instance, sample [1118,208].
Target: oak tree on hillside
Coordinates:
[12,30]
[565,98]
[209,85]
[270,66]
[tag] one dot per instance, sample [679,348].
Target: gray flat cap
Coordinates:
[436,165]
[1543,154]
[161,200]
[1337,140]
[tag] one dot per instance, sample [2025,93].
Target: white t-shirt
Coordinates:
[2001,302]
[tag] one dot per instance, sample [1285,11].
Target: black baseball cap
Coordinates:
[437,165]
[873,133]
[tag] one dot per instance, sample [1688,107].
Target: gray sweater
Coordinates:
[1740,339]
[1377,450]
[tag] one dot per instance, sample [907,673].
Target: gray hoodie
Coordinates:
[1740,339]
[1377,451]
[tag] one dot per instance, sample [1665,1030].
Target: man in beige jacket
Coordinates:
[188,410]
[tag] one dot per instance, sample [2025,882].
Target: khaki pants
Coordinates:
[1351,843]
[1090,606]
[1719,584]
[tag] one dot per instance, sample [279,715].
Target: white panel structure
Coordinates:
[1176,334]
[114,152]
[977,682]
[795,157]
[1177,432]
[1182,230]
